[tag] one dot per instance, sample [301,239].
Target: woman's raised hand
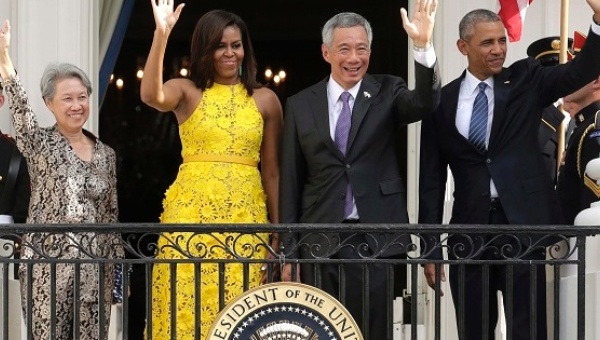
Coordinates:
[5,36]
[164,16]
[7,69]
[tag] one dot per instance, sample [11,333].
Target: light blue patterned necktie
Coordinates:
[479,119]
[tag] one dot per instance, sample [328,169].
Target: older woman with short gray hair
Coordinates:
[73,180]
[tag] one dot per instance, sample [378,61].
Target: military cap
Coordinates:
[547,50]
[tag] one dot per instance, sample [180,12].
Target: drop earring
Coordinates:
[240,71]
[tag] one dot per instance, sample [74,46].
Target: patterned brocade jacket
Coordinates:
[64,188]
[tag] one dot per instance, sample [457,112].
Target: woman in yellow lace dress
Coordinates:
[227,124]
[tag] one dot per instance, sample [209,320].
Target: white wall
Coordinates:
[47,31]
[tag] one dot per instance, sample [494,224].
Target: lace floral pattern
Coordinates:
[226,123]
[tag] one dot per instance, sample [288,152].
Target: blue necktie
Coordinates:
[342,129]
[479,117]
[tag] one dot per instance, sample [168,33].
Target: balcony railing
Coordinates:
[80,247]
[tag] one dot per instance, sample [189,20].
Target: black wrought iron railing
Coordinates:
[53,256]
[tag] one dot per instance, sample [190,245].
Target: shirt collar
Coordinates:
[335,90]
[471,82]
[587,112]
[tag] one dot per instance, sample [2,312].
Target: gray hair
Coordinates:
[345,20]
[59,71]
[466,28]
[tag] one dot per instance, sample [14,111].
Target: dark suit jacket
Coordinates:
[576,190]
[22,190]
[513,160]
[315,174]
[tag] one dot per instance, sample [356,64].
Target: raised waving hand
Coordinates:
[164,16]
[420,27]
[5,36]
[7,69]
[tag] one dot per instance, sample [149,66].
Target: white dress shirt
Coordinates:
[466,97]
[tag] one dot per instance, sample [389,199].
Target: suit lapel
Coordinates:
[449,108]
[451,103]
[502,88]
[320,111]
[365,96]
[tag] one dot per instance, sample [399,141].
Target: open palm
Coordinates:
[420,27]
[164,16]
[5,36]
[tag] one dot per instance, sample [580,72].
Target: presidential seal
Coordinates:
[284,311]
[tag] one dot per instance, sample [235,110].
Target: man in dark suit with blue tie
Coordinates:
[340,158]
[502,182]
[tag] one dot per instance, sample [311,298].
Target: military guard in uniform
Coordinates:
[575,189]
[14,180]
[546,50]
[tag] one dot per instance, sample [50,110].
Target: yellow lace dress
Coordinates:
[218,182]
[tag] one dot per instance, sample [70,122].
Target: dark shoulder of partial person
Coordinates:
[6,137]
[7,140]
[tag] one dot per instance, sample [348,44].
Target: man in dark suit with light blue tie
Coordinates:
[502,182]
[340,158]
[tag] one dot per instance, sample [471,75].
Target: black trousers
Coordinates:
[137,303]
[479,308]
[374,320]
